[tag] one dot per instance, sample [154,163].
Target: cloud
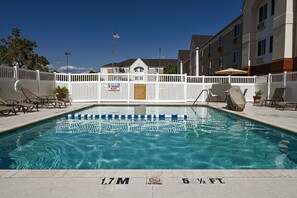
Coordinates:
[74,69]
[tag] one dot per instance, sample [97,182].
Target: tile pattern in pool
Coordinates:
[208,139]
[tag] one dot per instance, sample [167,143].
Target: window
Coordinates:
[272,7]
[209,67]
[209,48]
[221,62]
[236,57]
[261,47]
[202,53]
[271,44]
[138,70]
[236,30]
[263,13]
[221,41]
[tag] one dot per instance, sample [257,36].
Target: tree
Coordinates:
[170,69]
[17,50]
[92,72]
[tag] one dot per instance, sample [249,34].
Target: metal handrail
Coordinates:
[200,95]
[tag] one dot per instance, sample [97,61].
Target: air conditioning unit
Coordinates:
[260,60]
[261,26]
[235,39]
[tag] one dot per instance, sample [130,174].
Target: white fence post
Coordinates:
[269,84]
[38,80]
[99,87]
[203,87]
[157,88]
[285,83]
[185,86]
[55,79]
[16,73]
[69,84]
[285,79]
[128,87]
[229,79]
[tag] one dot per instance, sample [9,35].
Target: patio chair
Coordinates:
[31,98]
[50,100]
[213,95]
[6,110]
[283,105]
[235,99]
[39,100]
[25,107]
[65,100]
[244,92]
[276,97]
[218,91]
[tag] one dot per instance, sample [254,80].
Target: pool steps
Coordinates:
[126,116]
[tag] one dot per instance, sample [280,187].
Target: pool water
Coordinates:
[208,139]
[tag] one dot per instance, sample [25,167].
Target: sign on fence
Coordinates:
[113,87]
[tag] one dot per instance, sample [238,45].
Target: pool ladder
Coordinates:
[204,90]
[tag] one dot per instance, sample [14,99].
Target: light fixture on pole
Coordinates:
[67,54]
[160,50]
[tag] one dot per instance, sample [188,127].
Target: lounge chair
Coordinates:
[65,100]
[276,97]
[6,110]
[31,98]
[235,99]
[50,99]
[283,105]
[40,100]
[25,107]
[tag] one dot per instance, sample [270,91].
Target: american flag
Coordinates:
[116,35]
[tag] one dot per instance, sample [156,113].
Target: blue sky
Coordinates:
[84,28]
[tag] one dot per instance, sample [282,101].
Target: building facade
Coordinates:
[262,40]
[269,36]
[223,50]
[139,66]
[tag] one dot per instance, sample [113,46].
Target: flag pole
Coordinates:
[112,51]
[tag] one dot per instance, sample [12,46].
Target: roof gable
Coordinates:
[199,40]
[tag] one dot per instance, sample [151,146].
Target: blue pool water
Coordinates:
[208,139]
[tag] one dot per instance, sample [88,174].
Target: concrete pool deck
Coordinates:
[150,183]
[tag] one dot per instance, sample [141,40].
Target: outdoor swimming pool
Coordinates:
[207,139]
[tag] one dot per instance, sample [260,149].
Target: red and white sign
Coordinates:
[113,87]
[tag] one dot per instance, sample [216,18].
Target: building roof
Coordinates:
[200,39]
[183,55]
[148,62]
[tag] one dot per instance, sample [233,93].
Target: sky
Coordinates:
[84,28]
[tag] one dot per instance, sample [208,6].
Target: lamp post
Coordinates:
[160,59]
[67,54]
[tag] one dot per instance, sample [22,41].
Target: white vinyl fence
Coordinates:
[36,81]
[285,80]
[158,88]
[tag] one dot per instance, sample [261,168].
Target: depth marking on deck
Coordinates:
[159,180]
[114,180]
